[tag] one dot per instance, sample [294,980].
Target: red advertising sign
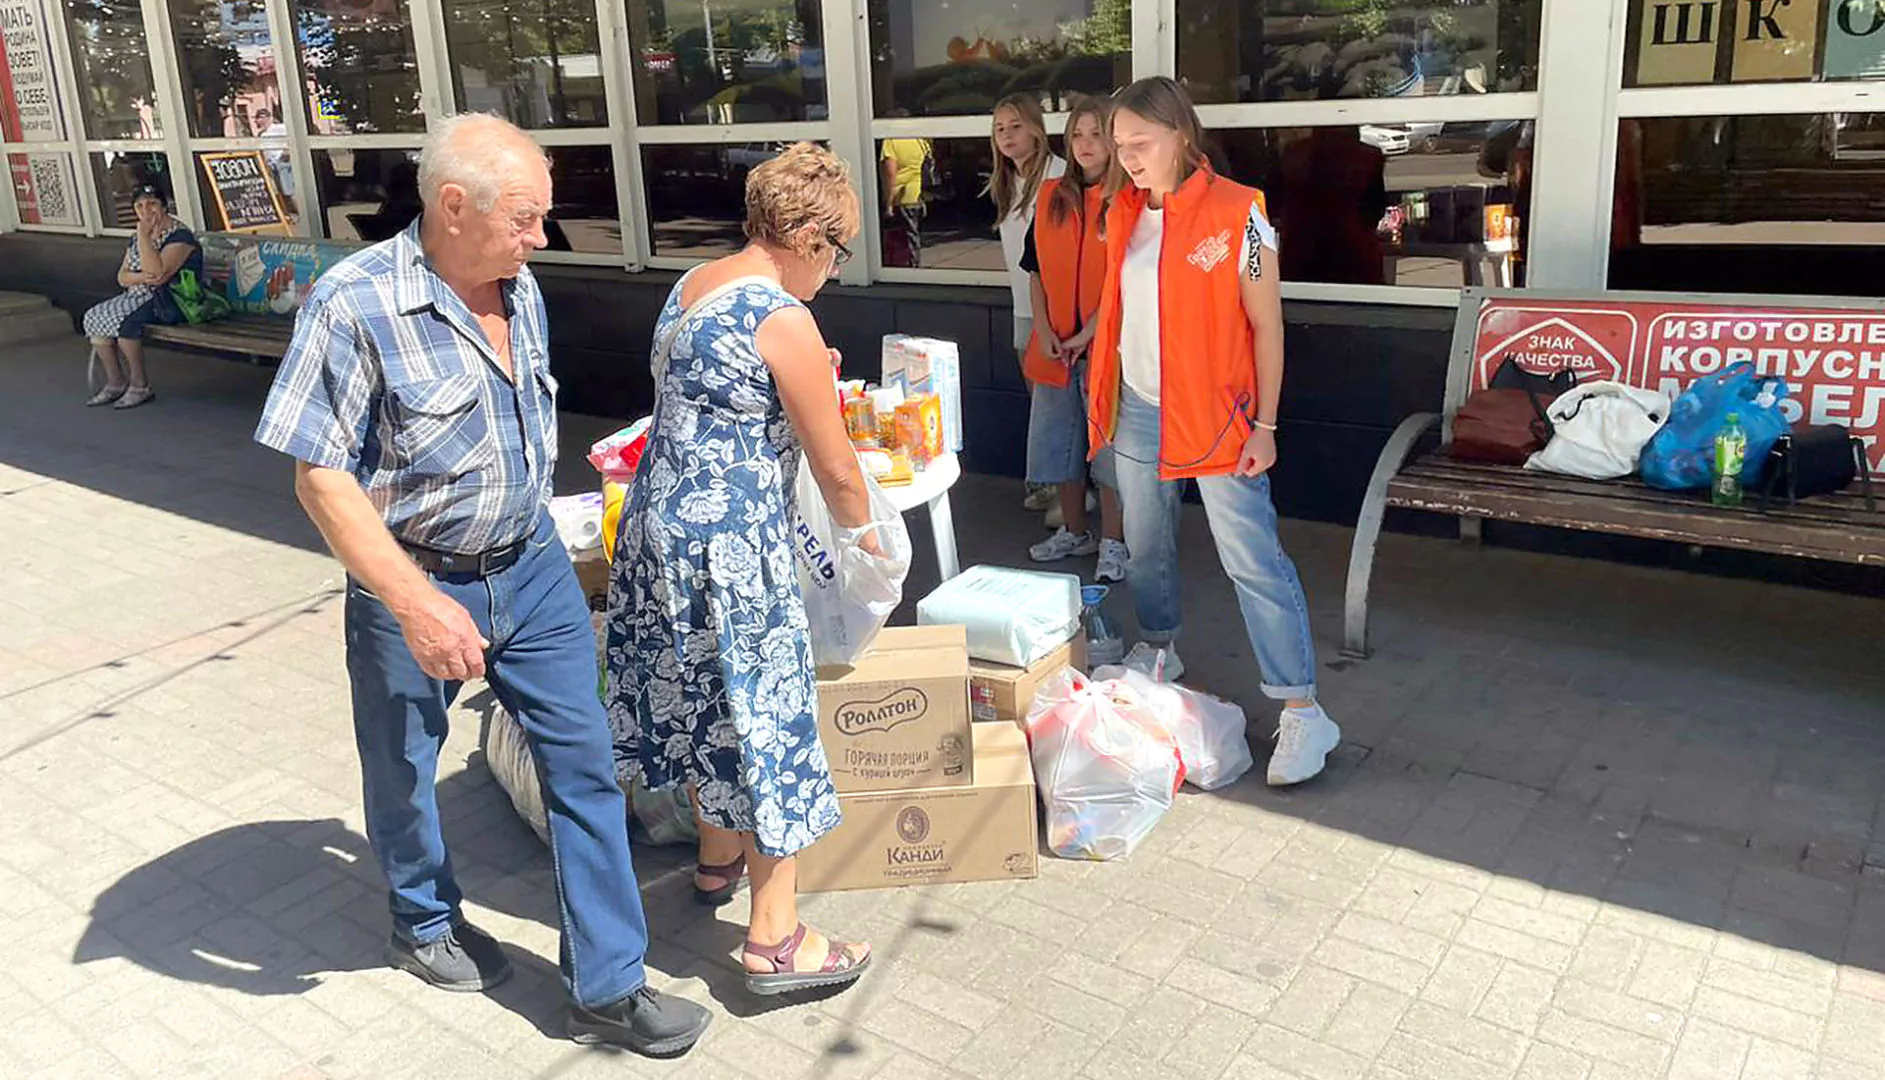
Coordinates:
[1833,360]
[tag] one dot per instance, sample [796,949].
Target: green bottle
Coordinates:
[1731,454]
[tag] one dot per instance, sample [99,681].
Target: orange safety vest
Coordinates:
[1073,271]
[1207,370]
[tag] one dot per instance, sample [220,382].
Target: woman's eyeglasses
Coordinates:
[840,253]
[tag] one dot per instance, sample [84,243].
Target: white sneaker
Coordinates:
[1064,545]
[1304,739]
[1055,519]
[1113,557]
[1040,497]
[1144,658]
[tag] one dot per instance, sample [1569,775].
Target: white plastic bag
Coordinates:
[1209,730]
[1105,768]
[1014,617]
[1599,430]
[849,592]
[507,754]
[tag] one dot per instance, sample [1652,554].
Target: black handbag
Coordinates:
[1817,460]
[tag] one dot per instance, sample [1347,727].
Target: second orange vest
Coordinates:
[1073,271]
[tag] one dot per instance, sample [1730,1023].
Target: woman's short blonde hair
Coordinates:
[805,184]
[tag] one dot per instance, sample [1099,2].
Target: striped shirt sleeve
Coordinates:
[322,399]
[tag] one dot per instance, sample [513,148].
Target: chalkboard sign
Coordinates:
[245,192]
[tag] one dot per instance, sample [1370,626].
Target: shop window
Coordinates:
[698,63]
[367,195]
[1770,204]
[1306,50]
[119,174]
[537,62]
[1427,205]
[227,59]
[33,112]
[585,215]
[361,71]
[697,196]
[1694,42]
[949,225]
[931,59]
[44,189]
[112,56]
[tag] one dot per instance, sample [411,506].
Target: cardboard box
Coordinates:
[998,692]
[592,573]
[899,718]
[983,832]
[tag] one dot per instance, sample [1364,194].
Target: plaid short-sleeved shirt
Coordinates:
[390,378]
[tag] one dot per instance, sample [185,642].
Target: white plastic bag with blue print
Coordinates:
[849,593]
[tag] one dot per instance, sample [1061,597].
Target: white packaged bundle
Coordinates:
[920,365]
[1014,617]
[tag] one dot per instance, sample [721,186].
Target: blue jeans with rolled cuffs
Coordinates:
[542,668]
[1243,524]
[1057,436]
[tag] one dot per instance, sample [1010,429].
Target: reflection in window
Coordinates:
[358,58]
[227,59]
[727,61]
[585,215]
[1772,204]
[950,225]
[119,174]
[1428,205]
[697,196]
[114,69]
[1689,42]
[367,195]
[956,59]
[537,62]
[1292,50]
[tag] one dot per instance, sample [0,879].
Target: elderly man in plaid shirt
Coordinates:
[418,405]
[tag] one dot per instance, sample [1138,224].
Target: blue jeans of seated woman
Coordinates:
[1243,523]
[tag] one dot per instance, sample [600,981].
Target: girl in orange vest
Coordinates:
[1067,259]
[1023,161]
[1185,374]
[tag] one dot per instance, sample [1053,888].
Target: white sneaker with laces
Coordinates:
[1144,658]
[1113,558]
[1304,740]
[1064,545]
[1040,497]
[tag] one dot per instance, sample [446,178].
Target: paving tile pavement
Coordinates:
[1592,821]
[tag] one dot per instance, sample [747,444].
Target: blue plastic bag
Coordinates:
[1679,457]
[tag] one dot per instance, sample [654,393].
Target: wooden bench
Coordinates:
[1415,473]
[262,339]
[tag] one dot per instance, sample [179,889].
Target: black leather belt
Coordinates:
[482,565]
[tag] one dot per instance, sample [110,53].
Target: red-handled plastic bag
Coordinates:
[617,456]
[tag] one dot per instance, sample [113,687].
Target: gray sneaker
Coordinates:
[465,961]
[646,1021]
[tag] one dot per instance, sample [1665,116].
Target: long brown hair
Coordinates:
[1165,103]
[1014,186]
[1070,194]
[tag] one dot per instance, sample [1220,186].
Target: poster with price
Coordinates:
[43,189]
[29,99]
[246,197]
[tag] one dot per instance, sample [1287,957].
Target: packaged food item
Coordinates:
[860,421]
[932,366]
[920,428]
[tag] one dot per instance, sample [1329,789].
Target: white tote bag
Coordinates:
[1599,430]
[849,592]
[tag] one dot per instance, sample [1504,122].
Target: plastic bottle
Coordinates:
[1731,453]
[1104,643]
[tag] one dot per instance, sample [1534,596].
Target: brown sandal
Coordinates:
[733,873]
[837,970]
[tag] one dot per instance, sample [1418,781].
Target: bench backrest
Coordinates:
[268,275]
[1831,350]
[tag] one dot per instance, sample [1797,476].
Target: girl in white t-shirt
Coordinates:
[1023,159]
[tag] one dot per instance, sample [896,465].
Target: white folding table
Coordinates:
[931,489]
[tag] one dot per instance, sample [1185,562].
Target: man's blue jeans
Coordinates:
[1243,523]
[542,667]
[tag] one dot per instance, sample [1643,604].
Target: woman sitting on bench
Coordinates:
[160,248]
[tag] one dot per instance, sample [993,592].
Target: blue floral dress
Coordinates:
[710,675]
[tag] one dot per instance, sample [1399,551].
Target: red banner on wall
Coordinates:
[1833,360]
